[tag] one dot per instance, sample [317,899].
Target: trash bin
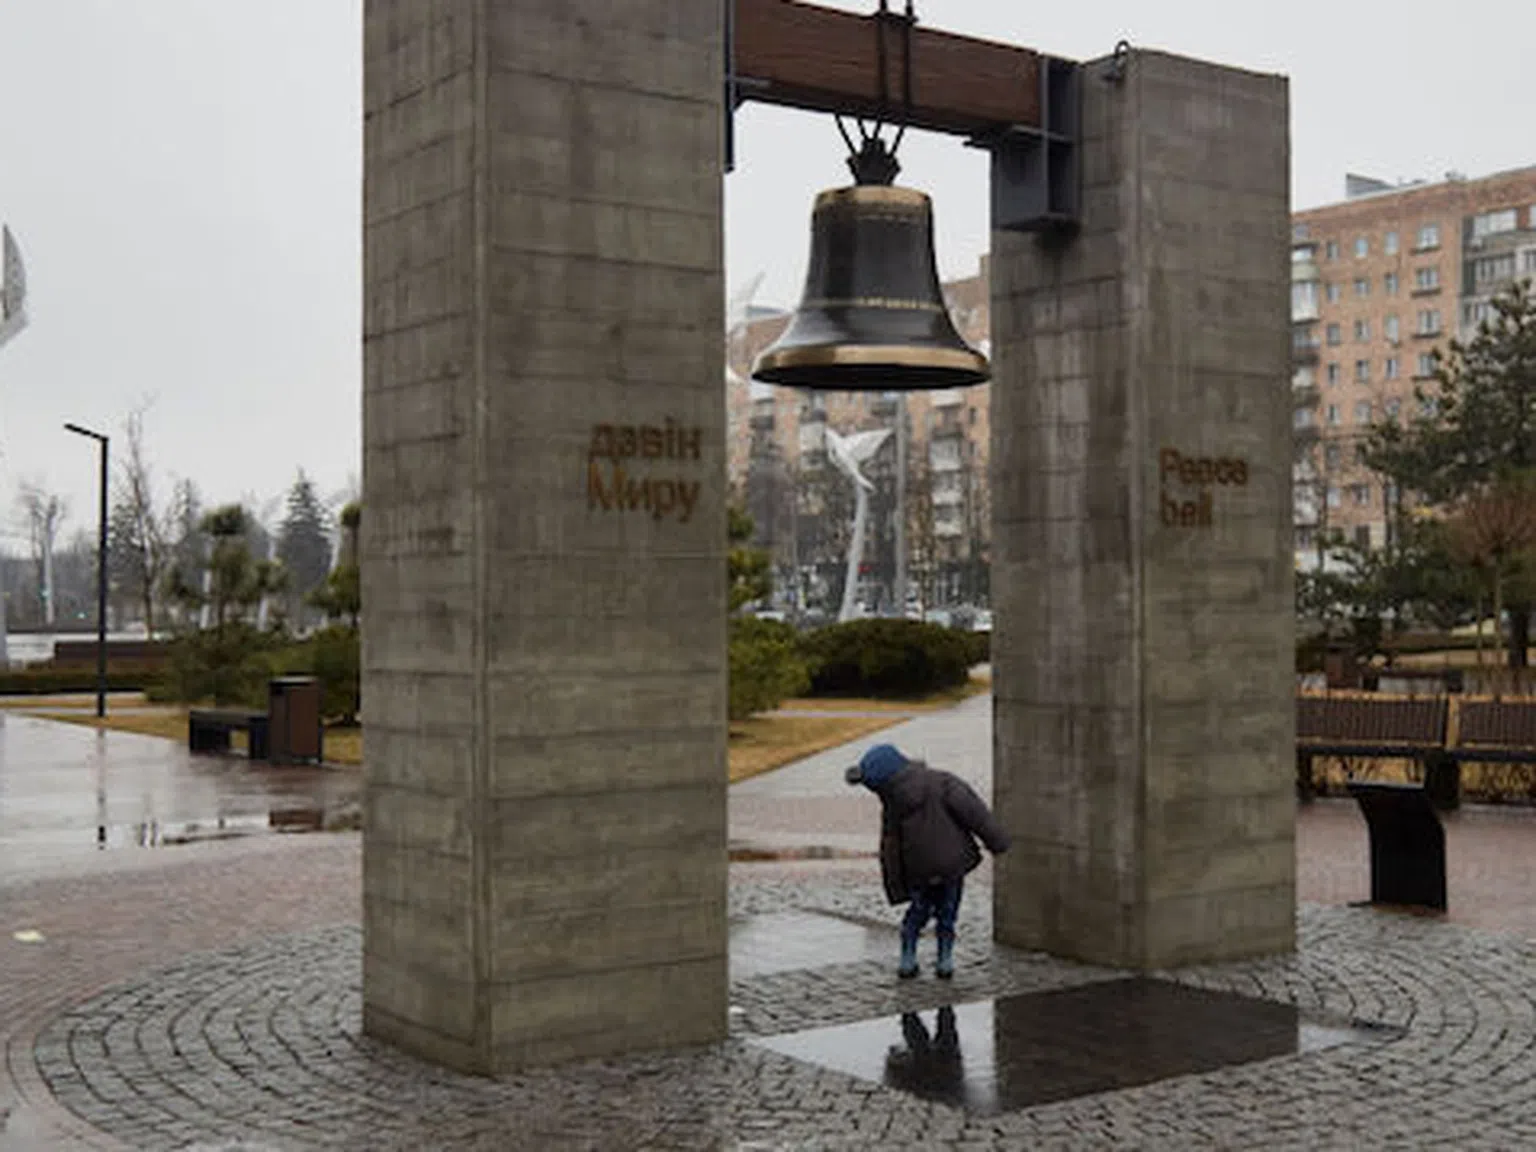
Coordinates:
[296,734]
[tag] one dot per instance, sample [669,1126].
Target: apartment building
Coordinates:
[940,446]
[1380,282]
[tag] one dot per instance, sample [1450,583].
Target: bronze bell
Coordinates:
[873,315]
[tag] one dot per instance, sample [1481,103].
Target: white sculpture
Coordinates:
[847,454]
[13,287]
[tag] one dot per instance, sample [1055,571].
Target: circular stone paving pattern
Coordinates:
[260,1048]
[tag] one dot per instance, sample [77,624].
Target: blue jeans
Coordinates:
[941,902]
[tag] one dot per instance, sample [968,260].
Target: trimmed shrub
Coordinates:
[336,659]
[978,647]
[49,679]
[765,666]
[228,665]
[896,659]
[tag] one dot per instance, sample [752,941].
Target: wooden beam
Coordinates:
[805,56]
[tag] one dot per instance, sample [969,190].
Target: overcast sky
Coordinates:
[183,176]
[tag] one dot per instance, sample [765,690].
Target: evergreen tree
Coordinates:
[749,570]
[188,550]
[304,545]
[1474,437]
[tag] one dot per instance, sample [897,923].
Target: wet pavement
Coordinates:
[787,941]
[1039,1048]
[162,1006]
[68,792]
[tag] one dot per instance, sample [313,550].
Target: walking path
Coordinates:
[207,995]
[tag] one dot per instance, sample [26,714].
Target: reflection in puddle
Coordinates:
[1023,1051]
[154,834]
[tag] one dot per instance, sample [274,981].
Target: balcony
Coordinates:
[1305,349]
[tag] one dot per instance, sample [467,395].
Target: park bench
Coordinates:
[1369,728]
[209,729]
[1490,732]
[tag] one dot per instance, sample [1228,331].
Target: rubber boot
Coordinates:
[908,967]
[945,969]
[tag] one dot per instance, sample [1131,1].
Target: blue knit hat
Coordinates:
[876,766]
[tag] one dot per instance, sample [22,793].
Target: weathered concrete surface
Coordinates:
[1142,655]
[544,657]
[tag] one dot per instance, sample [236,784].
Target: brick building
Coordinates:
[1380,282]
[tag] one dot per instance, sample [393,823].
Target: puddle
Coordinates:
[997,1056]
[788,941]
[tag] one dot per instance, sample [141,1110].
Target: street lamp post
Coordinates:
[101,574]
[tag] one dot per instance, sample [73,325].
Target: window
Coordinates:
[1391,328]
[1362,535]
[1390,369]
[1389,283]
[1362,247]
[1333,373]
[1492,223]
[1332,292]
[1359,455]
[1429,237]
[1429,322]
[1474,314]
[1491,269]
[1362,286]
[1426,364]
[1298,232]
[1335,335]
[1331,456]
[1530,261]
[1334,497]
[1394,406]
[1531,217]
[1362,330]
[1331,250]
[1389,244]
[1302,418]
[1363,412]
[1362,371]
[1332,416]
[1428,406]
[1426,279]
[1360,494]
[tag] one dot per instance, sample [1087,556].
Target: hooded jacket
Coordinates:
[930,821]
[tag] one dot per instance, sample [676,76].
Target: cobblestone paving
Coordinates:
[261,1043]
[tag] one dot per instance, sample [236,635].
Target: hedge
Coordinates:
[49,680]
[766,666]
[895,659]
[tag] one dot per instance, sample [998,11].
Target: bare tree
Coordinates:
[1491,531]
[145,528]
[43,512]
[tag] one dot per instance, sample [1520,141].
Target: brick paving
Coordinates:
[207,996]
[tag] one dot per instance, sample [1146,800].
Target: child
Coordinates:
[930,821]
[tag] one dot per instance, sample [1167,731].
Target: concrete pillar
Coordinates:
[1143,576]
[543,545]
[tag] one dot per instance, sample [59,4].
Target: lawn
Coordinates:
[342,745]
[934,703]
[757,745]
[764,743]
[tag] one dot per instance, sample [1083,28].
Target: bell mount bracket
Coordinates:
[1020,105]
